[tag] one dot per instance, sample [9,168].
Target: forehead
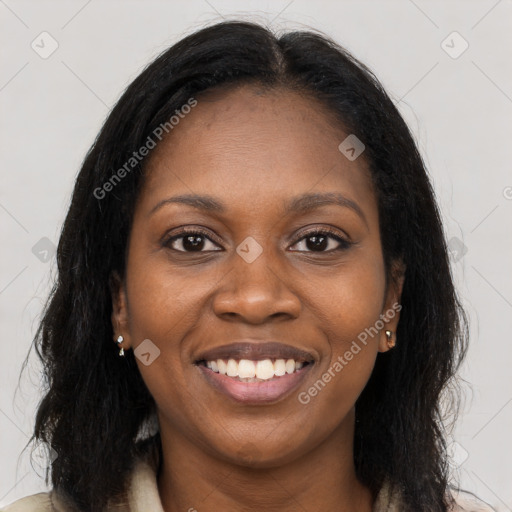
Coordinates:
[263,144]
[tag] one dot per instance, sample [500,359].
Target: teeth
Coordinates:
[232,368]
[222,366]
[280,367]
[254,371]
[247,369]
[264,369]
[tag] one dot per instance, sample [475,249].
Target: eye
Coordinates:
[198,240]
[323,240]
[191,240]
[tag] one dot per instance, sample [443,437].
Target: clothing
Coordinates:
[143,497]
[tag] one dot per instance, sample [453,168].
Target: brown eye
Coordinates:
[191,241]
[323,241]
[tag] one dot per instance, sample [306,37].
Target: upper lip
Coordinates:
[256,351]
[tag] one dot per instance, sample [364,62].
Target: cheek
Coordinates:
[351,303]
[350,306]
[165,306]
[163,302]
[344,373]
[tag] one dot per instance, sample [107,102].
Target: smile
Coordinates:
[246,370]
[255,373]
[253,390]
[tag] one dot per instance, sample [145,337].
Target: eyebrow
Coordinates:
[300,204]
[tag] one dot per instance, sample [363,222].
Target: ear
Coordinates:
[120,325]
[391,312]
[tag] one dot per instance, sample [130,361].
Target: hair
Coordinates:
[96,404]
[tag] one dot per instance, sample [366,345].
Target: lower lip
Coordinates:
[256,392]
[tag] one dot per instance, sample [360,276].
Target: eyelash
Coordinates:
[343,243]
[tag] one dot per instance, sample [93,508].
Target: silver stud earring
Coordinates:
[120,340]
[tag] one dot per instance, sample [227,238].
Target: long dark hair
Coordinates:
[96,403]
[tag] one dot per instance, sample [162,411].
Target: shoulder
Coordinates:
[142,493]
[41,502]
[389,500]
[468,502]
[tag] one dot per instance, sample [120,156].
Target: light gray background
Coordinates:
[459,109]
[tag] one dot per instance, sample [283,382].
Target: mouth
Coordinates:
[255,373]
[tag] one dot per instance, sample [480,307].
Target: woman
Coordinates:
[254,308]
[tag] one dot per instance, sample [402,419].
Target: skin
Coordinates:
[254,150]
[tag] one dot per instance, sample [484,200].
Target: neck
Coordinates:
[321,479]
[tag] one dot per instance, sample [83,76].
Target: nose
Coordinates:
[255,292]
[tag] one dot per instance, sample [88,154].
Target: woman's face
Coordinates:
[256,279]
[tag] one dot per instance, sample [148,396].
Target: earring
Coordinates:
[391,342]
[120,340]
